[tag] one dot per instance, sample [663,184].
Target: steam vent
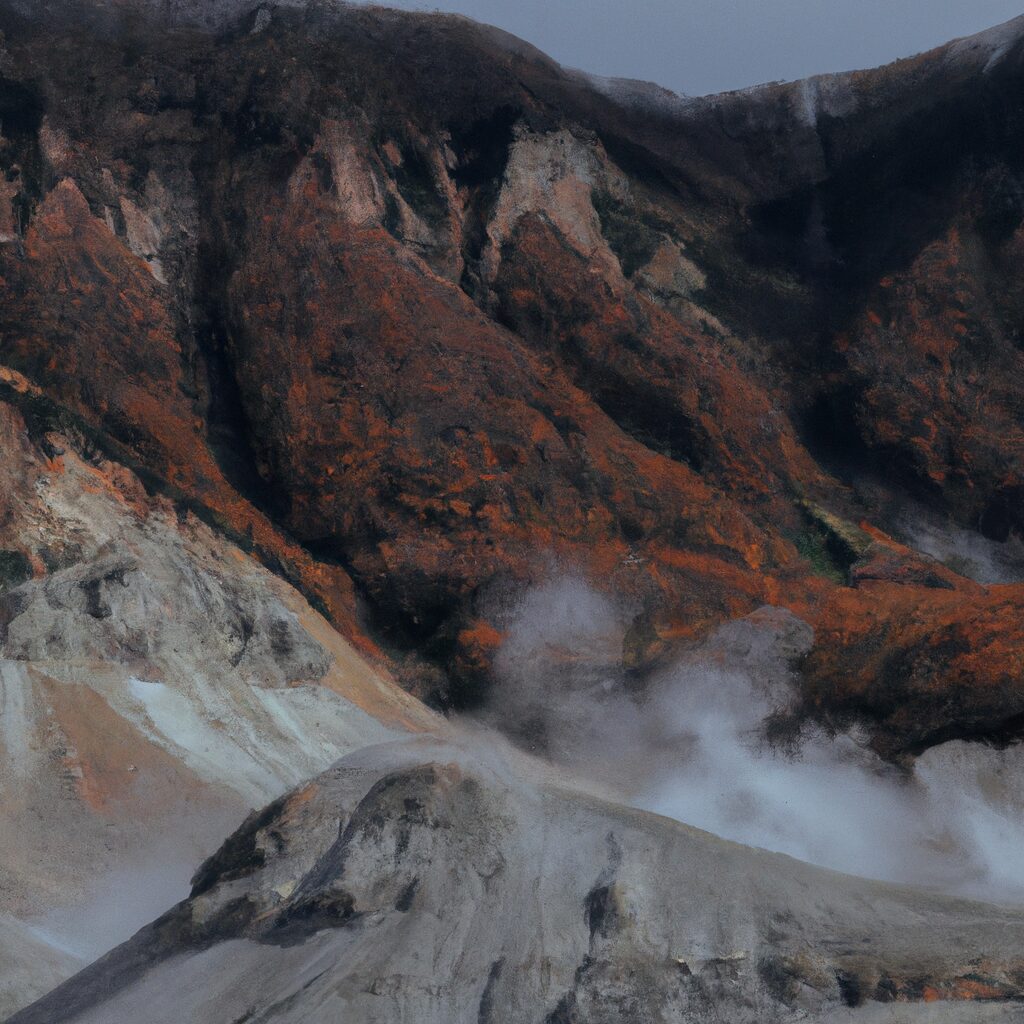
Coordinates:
[482,543]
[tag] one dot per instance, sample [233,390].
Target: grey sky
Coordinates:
[700,46]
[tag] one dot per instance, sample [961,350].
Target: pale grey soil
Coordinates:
[429,882]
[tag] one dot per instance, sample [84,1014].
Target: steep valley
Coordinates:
[426,466]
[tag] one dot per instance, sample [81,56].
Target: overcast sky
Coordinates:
[701,46]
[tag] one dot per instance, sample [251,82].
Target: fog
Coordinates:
[154,876]
[963,551]
[698,746]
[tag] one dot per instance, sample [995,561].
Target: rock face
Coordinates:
[324,331]
[432,882]
[409,311]
[156,683]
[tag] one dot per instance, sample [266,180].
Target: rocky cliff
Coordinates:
[326,331]
[156,683]
[408,310]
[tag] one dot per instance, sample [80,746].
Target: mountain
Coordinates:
[408,309]
[328,331]
[156,684]
[451,883]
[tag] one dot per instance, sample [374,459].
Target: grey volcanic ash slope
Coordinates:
[156,683]
[439,883]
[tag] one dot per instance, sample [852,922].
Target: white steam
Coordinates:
[964,551]
[151,878]
[694,747]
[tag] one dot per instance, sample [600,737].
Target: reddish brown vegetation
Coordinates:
[267,270]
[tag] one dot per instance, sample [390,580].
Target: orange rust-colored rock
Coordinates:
[954,420]
[920,664]
[84,316]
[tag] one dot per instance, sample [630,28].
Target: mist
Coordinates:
[154,876]
[703,745]
[964,551]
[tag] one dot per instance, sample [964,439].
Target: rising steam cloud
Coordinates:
[694,747]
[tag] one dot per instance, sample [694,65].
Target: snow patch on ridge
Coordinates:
[831,95]
[638,94]
[987,49]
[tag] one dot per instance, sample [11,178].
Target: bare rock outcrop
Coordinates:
[156,683]
[432,882]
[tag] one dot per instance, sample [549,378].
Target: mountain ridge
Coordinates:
[329,333]
[730,275]
[729,260]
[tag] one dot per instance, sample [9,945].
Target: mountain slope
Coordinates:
[432,882]
[415,310]
[326,331]
[488,314]
[156,684]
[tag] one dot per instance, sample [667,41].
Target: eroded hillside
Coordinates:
[327,331]
[409,310]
